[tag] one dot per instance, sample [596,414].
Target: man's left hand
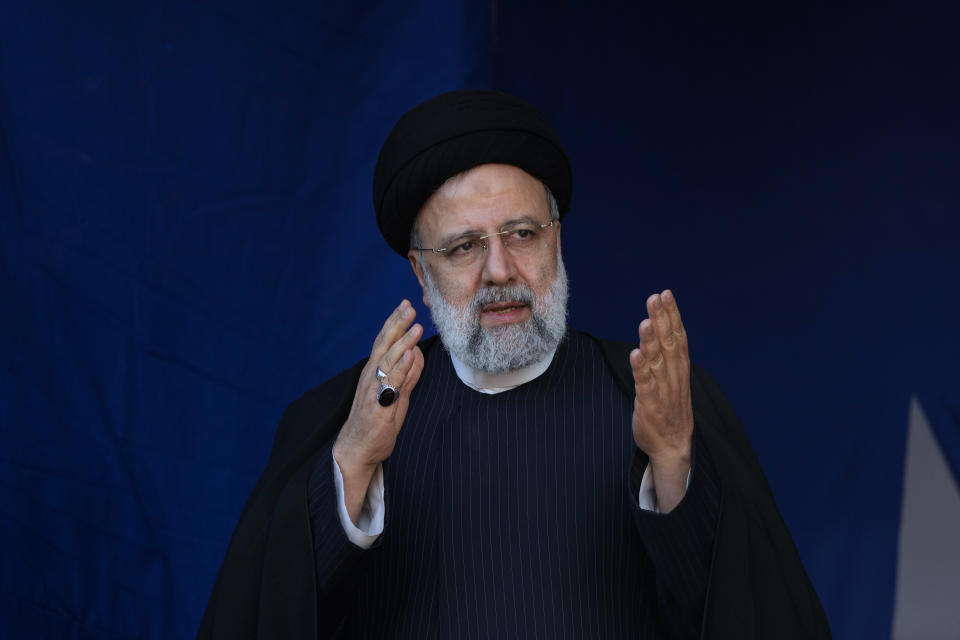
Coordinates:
[662,409]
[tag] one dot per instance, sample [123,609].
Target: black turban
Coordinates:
[452,133]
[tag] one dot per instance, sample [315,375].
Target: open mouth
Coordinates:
[503,307]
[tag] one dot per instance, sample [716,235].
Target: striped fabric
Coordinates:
[515,515]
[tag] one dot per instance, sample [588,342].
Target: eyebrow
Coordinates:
[470,233]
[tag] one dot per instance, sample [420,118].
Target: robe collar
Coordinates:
[491,383]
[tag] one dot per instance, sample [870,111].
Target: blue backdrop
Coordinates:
[188,244]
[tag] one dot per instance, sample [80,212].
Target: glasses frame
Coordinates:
[483,239]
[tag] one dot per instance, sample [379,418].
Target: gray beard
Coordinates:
[507,347]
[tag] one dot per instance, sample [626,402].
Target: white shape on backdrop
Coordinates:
[927,605]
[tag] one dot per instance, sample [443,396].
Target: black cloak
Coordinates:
[266,588]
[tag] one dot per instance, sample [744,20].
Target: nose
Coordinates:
[498,265]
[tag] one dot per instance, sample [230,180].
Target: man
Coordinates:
[516,478]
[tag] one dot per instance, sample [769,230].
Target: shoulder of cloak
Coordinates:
[758,585]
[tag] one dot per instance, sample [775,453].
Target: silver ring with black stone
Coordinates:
[386,394]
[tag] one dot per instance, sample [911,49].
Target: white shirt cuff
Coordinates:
[370,522]
[648,491]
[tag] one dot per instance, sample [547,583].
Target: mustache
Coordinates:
[521,293]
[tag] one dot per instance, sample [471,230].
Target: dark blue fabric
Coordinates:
[943,411]
[187,243]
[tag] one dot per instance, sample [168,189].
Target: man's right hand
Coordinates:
[368,436]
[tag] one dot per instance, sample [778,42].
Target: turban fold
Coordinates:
[454,132]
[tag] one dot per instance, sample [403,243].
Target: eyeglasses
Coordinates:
[521,239]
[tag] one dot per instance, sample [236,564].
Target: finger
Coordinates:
[661,322]
[398,373]
[673,312]
[679,357]
[416,368]
[394,327]
[413,376]
[642,378]
[650,348]
[401,346]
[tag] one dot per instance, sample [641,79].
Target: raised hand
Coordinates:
[368,436]
[662,409]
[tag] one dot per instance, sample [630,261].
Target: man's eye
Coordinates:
[463,248]
[523,234]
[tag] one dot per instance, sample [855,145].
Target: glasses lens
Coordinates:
[465,252]
[523,238]
[520,239]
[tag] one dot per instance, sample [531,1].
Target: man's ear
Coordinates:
[556,225]
[414,257]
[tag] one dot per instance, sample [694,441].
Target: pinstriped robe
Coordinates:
[509,515]
[285,576]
